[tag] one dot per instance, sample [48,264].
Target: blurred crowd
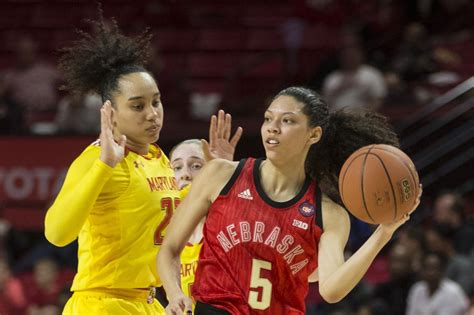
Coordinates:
[389,54]
[386,53]
[426,269]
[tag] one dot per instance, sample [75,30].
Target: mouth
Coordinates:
[183,184]
[154,128]
[272,142]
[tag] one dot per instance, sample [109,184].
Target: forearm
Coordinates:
[71,208]
[169,268]
[346,277]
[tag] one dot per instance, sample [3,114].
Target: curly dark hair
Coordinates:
[344,132]
[95,62]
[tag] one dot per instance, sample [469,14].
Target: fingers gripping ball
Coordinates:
[379,184]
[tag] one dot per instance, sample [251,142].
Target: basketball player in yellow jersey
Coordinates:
[187,158]
[120,193]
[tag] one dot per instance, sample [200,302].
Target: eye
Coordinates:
[267,119]
[177,168]
[156,103]
[196,166]
[138,107]
[288,120]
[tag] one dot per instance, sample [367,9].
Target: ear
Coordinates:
[316,134]
[114,113]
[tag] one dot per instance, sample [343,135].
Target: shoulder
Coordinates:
[333,78]
[90,153]
[417,288]
[452,286]
[213,177]
[369,71]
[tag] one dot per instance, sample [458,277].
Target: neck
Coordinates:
[282,182]
[136,147]
[432,287]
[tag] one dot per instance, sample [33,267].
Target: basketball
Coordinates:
[379,184]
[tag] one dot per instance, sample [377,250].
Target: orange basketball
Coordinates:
[379,184]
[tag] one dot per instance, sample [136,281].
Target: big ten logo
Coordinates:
[300,224]
[37,183]
[406,189]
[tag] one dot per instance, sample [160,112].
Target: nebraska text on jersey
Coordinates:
[270,236]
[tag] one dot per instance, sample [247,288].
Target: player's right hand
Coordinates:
[221,145]
[179,305]
[111,152]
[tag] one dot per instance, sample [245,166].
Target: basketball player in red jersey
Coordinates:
[269,228]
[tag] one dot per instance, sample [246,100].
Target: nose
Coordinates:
[186,175]
[273,128]
[152,113]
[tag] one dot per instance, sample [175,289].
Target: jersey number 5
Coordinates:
[168,205]
[256,282]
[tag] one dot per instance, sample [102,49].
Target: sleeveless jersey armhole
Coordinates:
[233,178]
[319,210]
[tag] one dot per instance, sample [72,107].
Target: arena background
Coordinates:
[233,55]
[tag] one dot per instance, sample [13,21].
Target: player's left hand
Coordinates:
[390,228]
[221,145]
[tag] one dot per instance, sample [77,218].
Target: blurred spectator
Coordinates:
[451,19]
[393,294]
[171,76]
[412,238]
[44,287]
[12,295]
[10,115]
[32,84]
[448,213]
[355,84]
[292,31]
[50,309]
[414,58]
[436,294]
[79,115]
[459,268]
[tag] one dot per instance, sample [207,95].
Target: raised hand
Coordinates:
[111,152]
[221,145]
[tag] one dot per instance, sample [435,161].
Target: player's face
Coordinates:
[138,112]
[285,130]
[187,160]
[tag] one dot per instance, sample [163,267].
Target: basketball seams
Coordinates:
[362,183]
[344,176]
[391,184]
[406,166]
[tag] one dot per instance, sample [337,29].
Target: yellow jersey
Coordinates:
[189,262]
[120,238]
[189,259]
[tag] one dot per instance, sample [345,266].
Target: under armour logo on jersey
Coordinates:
[245,195]
[138,163]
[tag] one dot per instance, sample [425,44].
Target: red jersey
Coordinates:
[258,253]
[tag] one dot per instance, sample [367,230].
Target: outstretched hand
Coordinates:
[221,145]
[390,228]
[112,152]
